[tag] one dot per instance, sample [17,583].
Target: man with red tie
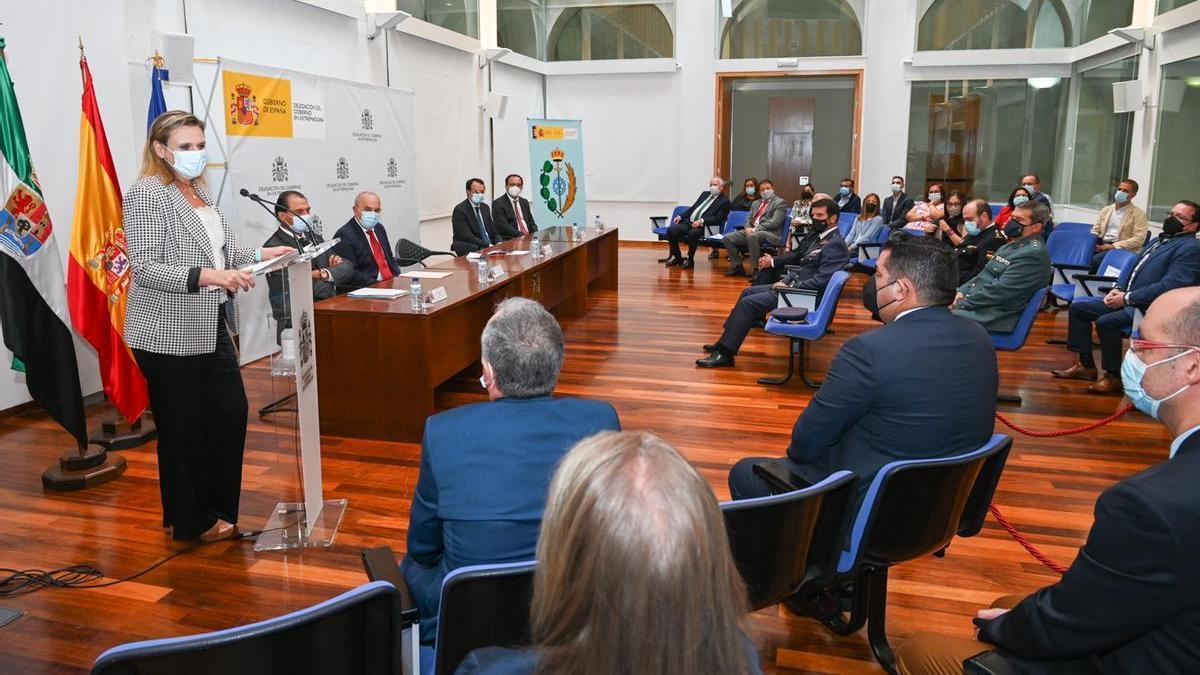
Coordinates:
[511,213]
[364,243]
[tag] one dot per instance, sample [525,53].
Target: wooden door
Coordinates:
[789,146]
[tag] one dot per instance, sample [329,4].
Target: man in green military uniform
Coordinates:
[996,296]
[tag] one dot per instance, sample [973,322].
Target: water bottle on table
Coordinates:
[414,291]
[535,246]
[599,223]
[481,269]
[578,231]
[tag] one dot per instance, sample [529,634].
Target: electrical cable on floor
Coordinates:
[23,582]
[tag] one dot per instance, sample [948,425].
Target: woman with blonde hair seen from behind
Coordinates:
[634,571]
[179,323]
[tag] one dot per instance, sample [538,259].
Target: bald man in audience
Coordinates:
[1130,602]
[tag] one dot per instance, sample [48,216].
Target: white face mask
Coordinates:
[369,220]
[477,198]
[189,163]
[514,191]
[751,190]
[1029,187]
[768,194]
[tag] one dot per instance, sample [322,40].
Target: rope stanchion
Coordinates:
[1020,539]
[1012,531]
[1066,432]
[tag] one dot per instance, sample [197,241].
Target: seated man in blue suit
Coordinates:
[486,467]
[471,221]
[815,259]
[888,395]
[364,244]
[711,209]
[1171,261]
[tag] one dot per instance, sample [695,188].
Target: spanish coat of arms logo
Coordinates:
[279,171]
[392,169]
[243,106]
[368,122]
[343,169]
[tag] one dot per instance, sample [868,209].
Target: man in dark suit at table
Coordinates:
[711,209]
[472,221]
[819,255]
[897,206]
[511,214]
[1171,261]
[364,243]
[297,231]
[1130,602]
[486,467]
[887,396]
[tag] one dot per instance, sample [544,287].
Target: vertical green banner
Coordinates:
[556,172]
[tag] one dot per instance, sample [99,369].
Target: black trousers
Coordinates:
[1110,323]
[199,406]
[751,308]
[683,231]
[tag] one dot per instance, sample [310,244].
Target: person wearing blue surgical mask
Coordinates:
[471,221]
[848,201]
[1121,226]
[365,245]
[297,229]
[1129,602]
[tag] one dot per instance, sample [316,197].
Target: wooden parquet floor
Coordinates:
[634,348]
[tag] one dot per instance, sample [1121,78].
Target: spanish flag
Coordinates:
[98,274]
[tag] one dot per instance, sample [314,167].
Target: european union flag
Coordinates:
[158,105]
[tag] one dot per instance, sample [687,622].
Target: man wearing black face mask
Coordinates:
[1170,261]
[887,392]
[997,295]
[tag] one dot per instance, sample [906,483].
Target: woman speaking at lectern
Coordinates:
[179,322]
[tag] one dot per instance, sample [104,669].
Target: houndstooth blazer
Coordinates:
[167,312]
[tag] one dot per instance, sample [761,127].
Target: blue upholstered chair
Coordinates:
[1012,341]
[846,223]
[815,327]
[358,631]
[912,509]
[784,541]
[1070,254]
[735,221]
[869,251]
[996,208]
[660,224]
[1096,285]
[481,606]
[1073,227]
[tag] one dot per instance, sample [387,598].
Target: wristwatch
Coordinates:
[326,275]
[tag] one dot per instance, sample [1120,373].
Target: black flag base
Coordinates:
[82,468]
[115,433]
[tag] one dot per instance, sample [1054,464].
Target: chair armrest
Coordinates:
[1095,277]
[990,663]
[658,221]
[1062,269]
[381,565]
[776,473]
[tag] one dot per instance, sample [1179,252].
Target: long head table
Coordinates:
[379,361]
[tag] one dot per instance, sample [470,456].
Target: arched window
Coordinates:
[638,31]
[783,28]
[1018,24]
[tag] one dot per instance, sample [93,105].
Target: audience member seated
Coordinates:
[950,226]
[297,231]
[747,197]
[1130,602]
[802,208]
[1017,197]
[710,210]
[847,200]
[364,243]
[924,216]
[467,509]
[997,295]
[888,395]
[1171,261]
[632,558]
[764,226]
[981,238]
[1121,225]
[471,221]
[1033,185]
[511,212]
[866,225]
[821,253]
[897,206]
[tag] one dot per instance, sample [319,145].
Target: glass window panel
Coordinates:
[618,31]
[1168,5]
[1099,158]
[460,16]
[1178,144]
[786,28]
[981,136]
[521,26]
[1018,24]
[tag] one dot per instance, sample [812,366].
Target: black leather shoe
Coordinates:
[687,264]
[735,272]
[672,261]
[663,260]
[715,255]
[710,348]
[715,360]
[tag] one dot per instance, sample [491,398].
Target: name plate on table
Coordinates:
[437,295]
[546,250]
[497,272]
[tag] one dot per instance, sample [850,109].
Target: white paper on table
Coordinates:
[512,253]
[426,275]
[473,255]
[379,293]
